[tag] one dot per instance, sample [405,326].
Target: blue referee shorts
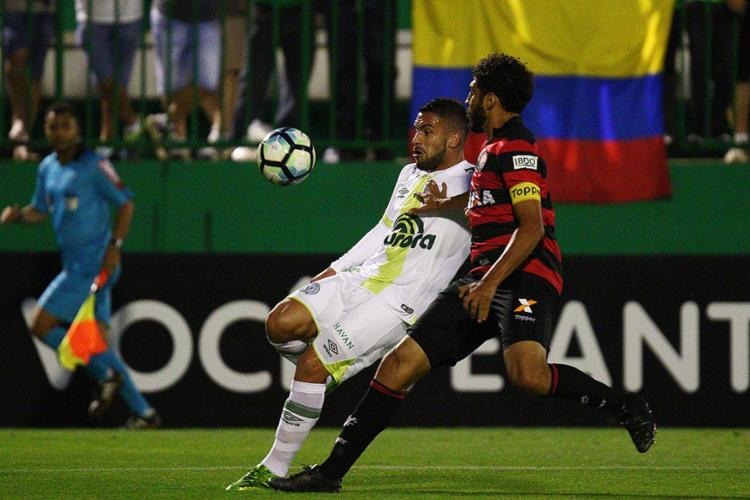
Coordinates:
[65,295]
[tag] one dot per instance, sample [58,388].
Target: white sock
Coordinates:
[300,414]
[741,137]
[291,350]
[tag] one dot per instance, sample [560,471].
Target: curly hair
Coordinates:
[506,77]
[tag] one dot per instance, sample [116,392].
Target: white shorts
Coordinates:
[355,328]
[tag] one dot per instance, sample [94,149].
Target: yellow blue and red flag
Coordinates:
[597,108]
[84,338]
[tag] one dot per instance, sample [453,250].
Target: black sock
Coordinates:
[572,383]
[370,417]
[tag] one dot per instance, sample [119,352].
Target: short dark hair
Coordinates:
[506,77]
[450,110]
[61,108]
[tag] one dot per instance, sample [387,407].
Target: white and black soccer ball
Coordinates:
[286,156]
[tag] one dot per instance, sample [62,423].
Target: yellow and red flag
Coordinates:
[83,339]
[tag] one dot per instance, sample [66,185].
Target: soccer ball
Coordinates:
[286,156]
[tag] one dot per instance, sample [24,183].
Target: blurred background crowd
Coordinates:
[210,78]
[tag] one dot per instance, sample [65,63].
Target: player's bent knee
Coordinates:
[289,321]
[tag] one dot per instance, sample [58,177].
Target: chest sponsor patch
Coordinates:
[525,161]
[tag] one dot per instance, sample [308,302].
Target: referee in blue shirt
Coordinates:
[75,188]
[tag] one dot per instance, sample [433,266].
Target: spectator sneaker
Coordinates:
[257,131]
[736,155]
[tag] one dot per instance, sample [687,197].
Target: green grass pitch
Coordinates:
[402,463]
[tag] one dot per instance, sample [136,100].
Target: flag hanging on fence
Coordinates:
[83,339]
[597,107]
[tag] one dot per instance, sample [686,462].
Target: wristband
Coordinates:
[116,242]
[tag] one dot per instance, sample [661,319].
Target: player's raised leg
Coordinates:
[355,331]
[289,329]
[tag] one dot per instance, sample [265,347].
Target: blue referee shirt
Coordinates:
[78,197]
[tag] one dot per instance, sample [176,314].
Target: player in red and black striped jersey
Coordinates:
[512,291]
[510,170]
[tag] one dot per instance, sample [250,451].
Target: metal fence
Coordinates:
[704,63]
[346,77]
[338,77]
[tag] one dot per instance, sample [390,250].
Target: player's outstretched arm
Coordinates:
[25,215]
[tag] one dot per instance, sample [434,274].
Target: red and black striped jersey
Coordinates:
[510,167]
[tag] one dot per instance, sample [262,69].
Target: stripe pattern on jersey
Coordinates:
[510,160]
[396,254]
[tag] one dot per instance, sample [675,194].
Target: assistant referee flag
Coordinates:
[84,338]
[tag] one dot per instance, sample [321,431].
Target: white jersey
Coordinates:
[406,260]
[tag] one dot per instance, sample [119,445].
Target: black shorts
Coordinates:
[525,307]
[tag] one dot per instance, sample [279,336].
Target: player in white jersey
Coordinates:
[355,311]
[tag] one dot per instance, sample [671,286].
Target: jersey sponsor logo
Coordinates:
[331,348]
[525,191]
[408,232]
[290,418]
[110,173]
[407,309]
[525,161]
[524,309]
[525,305]
[311,289]
[343,335]
[402,192]
[481,160]
[481,198]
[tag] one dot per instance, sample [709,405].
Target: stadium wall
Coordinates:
[656,301]
[229,208]
[674,328]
